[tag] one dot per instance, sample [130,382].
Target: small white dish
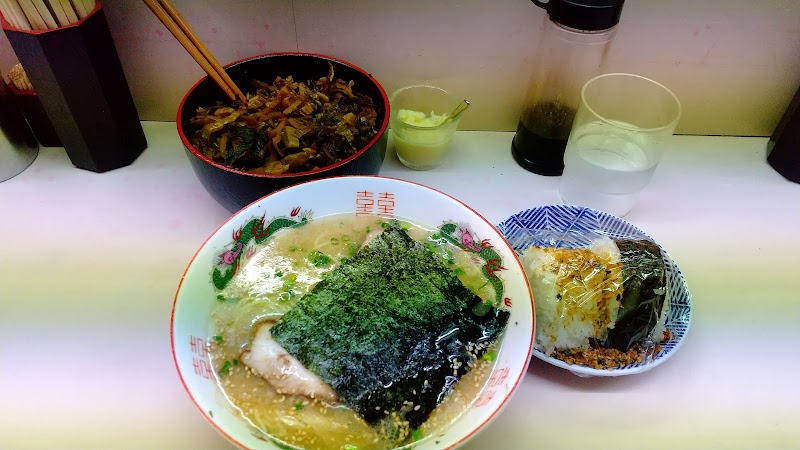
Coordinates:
[380,196]
[547,226]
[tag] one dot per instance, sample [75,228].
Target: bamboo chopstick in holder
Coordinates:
[59,13]
[79,85]
[83,7]
[69,10]
[35,19]
[9,14]
[89,5]
[80,8]
[171,18]
[44,13]
[14,14]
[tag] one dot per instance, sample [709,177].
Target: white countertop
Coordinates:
[89,264]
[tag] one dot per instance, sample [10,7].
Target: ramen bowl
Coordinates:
[234,248]
[234,188]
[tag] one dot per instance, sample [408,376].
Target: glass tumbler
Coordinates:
[616,141]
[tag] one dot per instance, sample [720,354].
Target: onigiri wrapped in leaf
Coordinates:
[608,295]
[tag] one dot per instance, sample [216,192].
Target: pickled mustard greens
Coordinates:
[287,126]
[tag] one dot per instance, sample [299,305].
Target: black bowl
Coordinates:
[235,189]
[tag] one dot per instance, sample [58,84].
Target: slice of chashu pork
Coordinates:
[267,358]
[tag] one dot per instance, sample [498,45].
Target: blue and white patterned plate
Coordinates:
[576,226]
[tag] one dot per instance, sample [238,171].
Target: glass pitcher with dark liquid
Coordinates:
[576,37]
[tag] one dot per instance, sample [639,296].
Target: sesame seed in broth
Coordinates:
[311,423]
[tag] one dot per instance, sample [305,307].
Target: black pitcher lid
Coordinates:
[586,15]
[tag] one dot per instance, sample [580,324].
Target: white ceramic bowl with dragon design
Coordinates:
[240,237]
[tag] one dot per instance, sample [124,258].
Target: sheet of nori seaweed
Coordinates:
[644,290]
[390,330]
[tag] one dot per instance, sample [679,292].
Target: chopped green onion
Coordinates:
[278,274]
[220,297]
[489,356]
[226,368]
[289,281]
[318,258]
[218,338]
[298,406]
[416,435]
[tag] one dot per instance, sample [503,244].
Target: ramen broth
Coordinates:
[282,270]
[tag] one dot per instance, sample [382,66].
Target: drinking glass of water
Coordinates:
[616,141]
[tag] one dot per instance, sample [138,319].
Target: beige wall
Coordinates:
[734,64]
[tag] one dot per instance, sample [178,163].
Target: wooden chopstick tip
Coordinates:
[180,29]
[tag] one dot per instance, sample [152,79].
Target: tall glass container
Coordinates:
[575,40]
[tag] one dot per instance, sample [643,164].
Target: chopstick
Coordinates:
[69,11]
[172,19]
[41,15]
[59,13]
[44,14]
[83,7]
[32,14]
[14,14]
